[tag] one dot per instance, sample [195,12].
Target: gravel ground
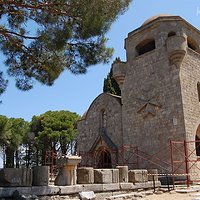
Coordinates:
[172,196]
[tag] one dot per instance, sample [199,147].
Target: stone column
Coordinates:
[41,175]
[123,173]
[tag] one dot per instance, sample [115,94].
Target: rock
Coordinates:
[139,195]
[87,195]
[158,192]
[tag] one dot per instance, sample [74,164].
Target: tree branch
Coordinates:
[2,31]
[45,7]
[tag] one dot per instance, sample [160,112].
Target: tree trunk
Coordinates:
[9,157]
[17,158]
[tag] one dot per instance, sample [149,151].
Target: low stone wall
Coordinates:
[98,181]
[74,190]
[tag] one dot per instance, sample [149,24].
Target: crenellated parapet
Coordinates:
[176,49]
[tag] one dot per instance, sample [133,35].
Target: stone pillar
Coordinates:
[67,175]
[123,173]
[41,175]
[103,176]
[85,175]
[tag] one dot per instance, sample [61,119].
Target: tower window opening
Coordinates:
[145,46]
[172,33]
[192,44]
[198,90]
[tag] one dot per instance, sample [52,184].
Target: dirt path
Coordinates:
[172,196]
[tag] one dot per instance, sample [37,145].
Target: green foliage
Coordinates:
[3,122]
[12,131]
[12,134]
[68,35]
[110,85]
[55,130]
[15,131]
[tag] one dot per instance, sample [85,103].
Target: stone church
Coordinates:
[159,102]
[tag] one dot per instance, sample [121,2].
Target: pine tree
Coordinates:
[110,85]
[42,38]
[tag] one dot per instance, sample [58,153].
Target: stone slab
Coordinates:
[138,176]
[102,176]
[72,189]
[15,177]
[8,191]
[85,175]
[111,187]
[148,184]
[45,190]
[127,186]
[93,187]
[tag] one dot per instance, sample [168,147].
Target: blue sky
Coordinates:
[75,93]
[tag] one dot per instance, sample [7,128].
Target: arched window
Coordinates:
[145,46]
[172,33]
[103,119]
[192,44]
[198,90]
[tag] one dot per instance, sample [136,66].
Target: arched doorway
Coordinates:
[103,158]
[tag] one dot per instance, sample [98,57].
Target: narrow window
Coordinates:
[172,33]
[103,119]
[197,141]
[198,90]
[145,46]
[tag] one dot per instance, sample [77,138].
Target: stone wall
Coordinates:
[190,76]
[152,101]
[89,128]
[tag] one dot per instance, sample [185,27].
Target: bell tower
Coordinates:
[160,85]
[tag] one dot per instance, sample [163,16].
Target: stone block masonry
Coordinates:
[102,176]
